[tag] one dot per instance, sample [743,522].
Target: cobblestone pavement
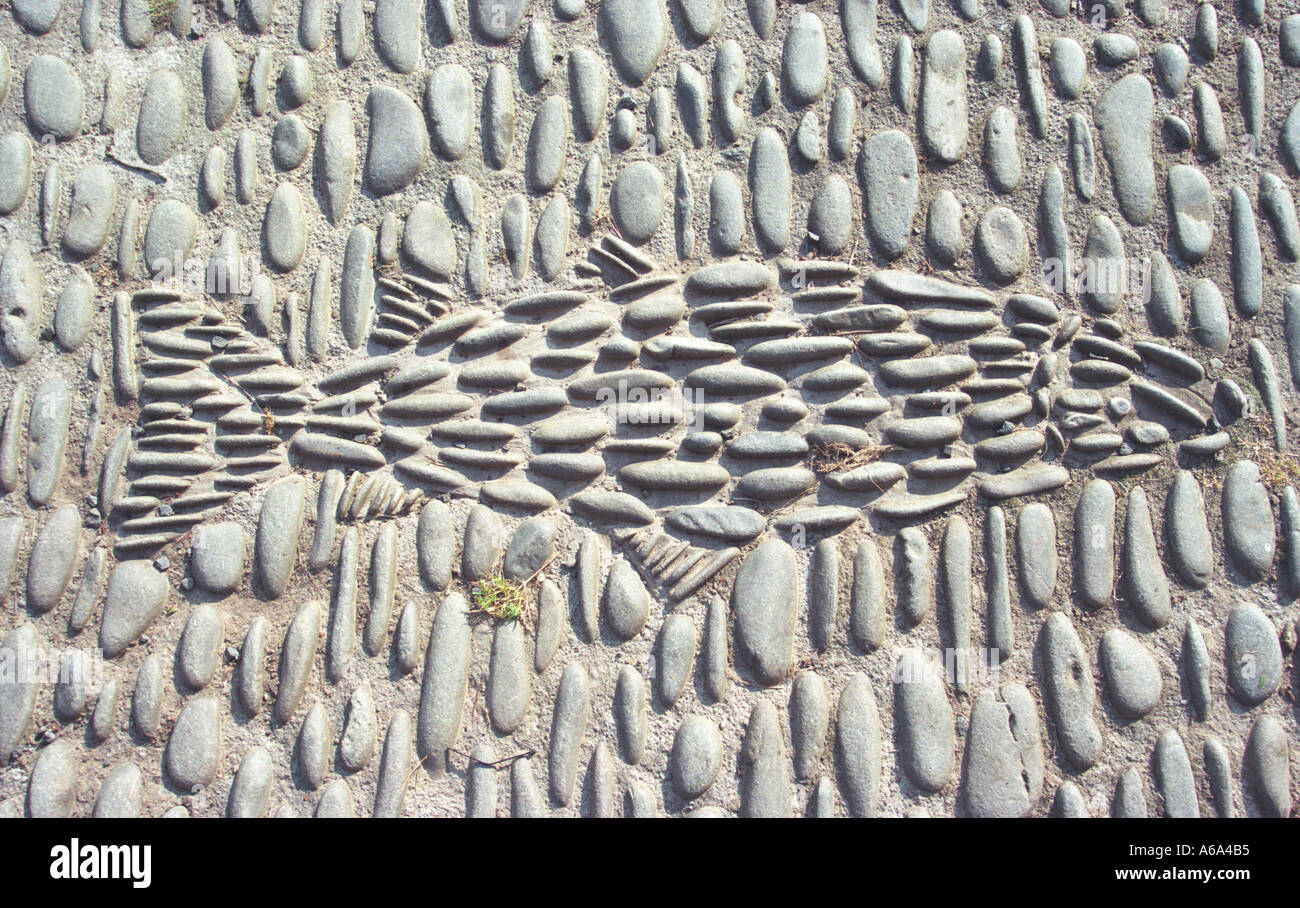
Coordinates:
[630,407]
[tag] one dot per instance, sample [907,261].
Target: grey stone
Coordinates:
[1002,774]
[135,597]
[637,201]
[121,793]
[54,98]
[198,654]
[764,598]
[637,33]
[1144,575]
[1253,655]
[943,119]
[52,786]
[1173,773]
[357,744]
[924,722]
[1130,797]
[627,602]
[1123,118]
[630,703]
[194,748]
[217,557]
[1002,244]
[676,649]
[944,228]
[1249,529]
[804,60]
[1068,691]
[276,544]
[17,696]
[284,230]
[770,190]
[445,683]
[297,655]
[887,172]
[1001,150]
[1094,544]
[809,722]
[696,757]
[765,789]
[1068,67]
[312,748]
[250,791]
[399,142]
[1247,257]
[568,726]
[1266,767]
[1131,673]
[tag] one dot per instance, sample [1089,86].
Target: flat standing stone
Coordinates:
[765,789]
[53,97]
[1002,775]
[1191,548]
[637,32]
[636,201]
[944,126]
[17,696]
[764,598]
[1193,211]
[1068,691]
[135,597]
[568,726]
[1123,117]
[162,119]
[194,748]
[770,189]
[696,757]
[924,723]
[1253,655]
[804,59]
[276,545]
[1094,544]
[887,172]
[1249,530]
[1131,673]
[445,683]
[399,142]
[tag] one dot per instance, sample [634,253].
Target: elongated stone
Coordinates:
[394,767]
[297,654]
[194,748]
[943,122]
[276,544]
[135,598]
[924,722]
[764,599]
[1094,545]
[1123,117]
[445,683]
[887,172]
[765,788]
[1191,548]
[770,189]
[568,726]
[1249,530]
[1253,655]
[1068,690]
[1002,774]
[1144,575]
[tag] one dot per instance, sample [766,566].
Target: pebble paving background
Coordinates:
[885,407]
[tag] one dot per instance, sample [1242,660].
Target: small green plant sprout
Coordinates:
[160,12]
[500,598]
